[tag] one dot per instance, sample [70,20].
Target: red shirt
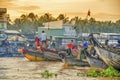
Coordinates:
[37,41]
[70,45]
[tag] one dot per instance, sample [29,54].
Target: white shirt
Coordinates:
[44,36]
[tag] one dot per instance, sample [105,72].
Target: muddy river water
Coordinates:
[22,69]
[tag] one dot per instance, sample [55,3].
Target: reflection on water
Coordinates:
[13,68]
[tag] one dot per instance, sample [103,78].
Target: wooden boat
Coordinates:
[49,54]
[52,54]
[74,60]
[109,57]
[44,54]
[89,61]
[95,61]
[32,55]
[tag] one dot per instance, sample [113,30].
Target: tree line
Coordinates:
[29,23]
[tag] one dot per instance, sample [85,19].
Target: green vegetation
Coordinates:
[109,72]
[47,74]
[30,22]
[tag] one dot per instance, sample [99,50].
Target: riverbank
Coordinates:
[22,69]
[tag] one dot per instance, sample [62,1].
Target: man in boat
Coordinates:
[92,39]
[84,48]
[70,47]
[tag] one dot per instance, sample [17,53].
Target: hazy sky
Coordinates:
[100,9]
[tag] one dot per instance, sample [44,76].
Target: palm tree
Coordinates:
[17,23]
[31,17]
[63,17]
[47,17]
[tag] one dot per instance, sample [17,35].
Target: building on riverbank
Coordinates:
[57,28]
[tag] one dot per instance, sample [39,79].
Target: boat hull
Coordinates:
[110,58]
[93,59]
[38,55]
[72,61]
[94,62]
[34,55]
[52,56]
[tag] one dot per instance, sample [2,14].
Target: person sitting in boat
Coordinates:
[71,46]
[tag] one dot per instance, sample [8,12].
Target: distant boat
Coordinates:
[3,36]
[10,49]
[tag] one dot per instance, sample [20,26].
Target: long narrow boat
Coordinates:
[52,54]
[73,61]
[89,61]
[110,55]
[95,61]
[40,55]
[111,58]
[32,55]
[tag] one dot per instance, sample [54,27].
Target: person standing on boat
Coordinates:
[44,38]
[37,42]
[92,39]
[84,48]
[85,43]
